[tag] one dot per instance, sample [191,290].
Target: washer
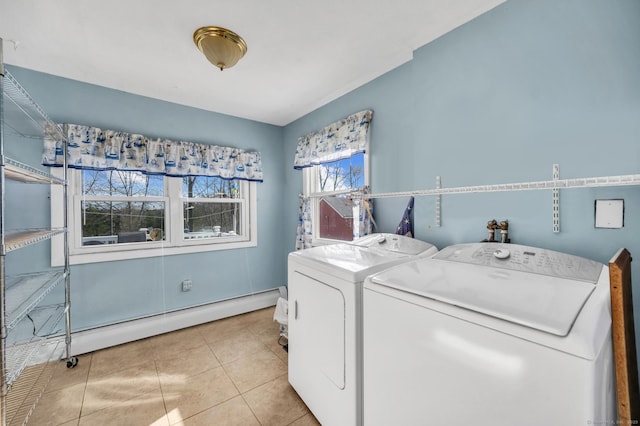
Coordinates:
[325,318]
[489,334]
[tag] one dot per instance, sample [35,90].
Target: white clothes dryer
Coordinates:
[489,334]
[325,320]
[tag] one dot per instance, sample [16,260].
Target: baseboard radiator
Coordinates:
[93,339]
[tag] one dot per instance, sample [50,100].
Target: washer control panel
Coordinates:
[523,258]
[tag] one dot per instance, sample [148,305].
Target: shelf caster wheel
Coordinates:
[72,362]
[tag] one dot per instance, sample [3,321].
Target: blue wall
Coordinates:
[499,100]
[109,292]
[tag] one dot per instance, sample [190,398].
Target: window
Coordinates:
[119,207]
[117,214]
[333,213]
[212,207]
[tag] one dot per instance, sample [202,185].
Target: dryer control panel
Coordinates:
[523,258]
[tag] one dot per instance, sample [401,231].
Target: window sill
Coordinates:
[84,256]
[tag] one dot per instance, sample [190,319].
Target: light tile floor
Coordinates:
[226,372]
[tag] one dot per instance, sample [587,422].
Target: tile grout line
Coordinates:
[164,402]
[250,409]
[84,390]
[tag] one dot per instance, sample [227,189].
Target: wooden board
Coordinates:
[624,342]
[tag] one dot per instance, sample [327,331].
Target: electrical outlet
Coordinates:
[186,285]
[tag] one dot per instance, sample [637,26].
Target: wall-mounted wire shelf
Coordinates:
[589,182]
[554,184]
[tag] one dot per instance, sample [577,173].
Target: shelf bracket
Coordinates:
[438,201]
[556,200]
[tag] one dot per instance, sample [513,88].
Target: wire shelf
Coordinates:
[27,390]
[24,292]
[37,348]
[18,239]
[15,170]
[590,182]
[24,116]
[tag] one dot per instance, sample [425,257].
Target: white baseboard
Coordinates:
[111,335]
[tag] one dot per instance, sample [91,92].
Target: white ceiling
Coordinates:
[301,54]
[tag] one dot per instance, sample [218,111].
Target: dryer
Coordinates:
[489,334]
[325,319]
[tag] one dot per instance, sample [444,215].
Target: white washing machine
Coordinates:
[325,320]
[489,334]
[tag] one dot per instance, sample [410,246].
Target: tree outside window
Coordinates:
[212,207]
[121,206]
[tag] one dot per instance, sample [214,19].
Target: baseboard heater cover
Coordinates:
[94,339]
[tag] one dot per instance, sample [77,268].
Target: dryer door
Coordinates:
[316,333]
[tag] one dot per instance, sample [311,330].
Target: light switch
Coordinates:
[609,213]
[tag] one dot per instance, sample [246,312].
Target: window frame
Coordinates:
[310,188]
[174,242]
[218,200]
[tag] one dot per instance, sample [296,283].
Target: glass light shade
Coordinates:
[222,47]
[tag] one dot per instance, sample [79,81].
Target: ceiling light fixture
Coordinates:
[222,47]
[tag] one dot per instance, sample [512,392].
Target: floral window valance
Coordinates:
[337,141]
[98,149]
